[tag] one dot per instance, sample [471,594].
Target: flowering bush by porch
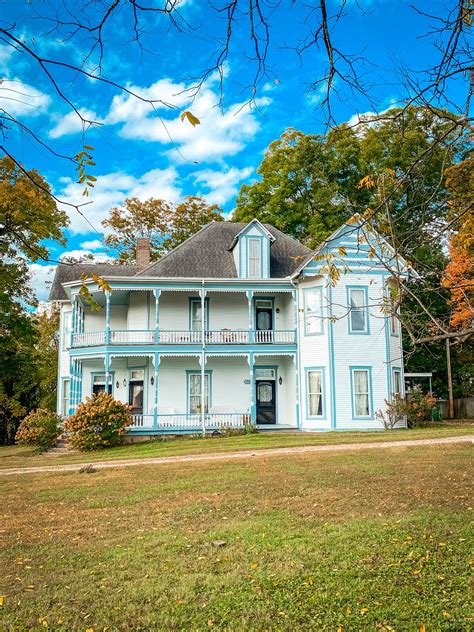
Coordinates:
[99,422]
[40,429]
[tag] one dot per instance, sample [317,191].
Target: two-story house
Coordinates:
[239,323]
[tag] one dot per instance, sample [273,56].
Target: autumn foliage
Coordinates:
[99,422]
[459,279]
[40,429]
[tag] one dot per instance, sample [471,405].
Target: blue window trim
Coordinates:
[111,373]
[198,372]
[371,401]
[195,299]
[263,298]
[319,289]
[266,366]
[399,369]
[366,331]
[322,417]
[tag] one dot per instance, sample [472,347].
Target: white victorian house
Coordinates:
[238,324]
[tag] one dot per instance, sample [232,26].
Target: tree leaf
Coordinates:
[190,117]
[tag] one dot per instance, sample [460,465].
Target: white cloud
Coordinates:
[95,244]
[111,189]
[97,257]
[41,279]
[5,54]
[221,186]
[72,123]
[222,131]
[21,99]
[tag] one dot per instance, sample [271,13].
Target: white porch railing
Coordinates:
[88,339]
[183,421]
[131,336]
[179,337]
[176,337]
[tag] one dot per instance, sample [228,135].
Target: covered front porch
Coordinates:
[166,395]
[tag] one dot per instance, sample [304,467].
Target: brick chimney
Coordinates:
[143,253]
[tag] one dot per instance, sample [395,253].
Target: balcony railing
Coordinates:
[183,421]
[180,337]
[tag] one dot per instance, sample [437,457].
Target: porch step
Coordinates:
[62,447]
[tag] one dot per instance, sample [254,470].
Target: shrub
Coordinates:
[99,422]
[416,407]
[40,428]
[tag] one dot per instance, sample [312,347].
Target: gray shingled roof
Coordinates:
[65,273]
[207,254]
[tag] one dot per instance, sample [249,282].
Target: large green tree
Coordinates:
[165,224]
[28,216]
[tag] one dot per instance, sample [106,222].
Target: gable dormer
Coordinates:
[251,250]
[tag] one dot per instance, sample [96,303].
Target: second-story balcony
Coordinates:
[184,337]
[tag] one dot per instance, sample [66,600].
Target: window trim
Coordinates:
[112,378]
[322,370]
[368,369]
[319,290]
[366,330]
[258,238]
[194,299]
[63,381]
[190,372]
[396,369]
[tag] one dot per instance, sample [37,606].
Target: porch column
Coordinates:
[107,317]
[156,361]
[107,371]
[157,294]
[297,386]
[253,408]
[250,302]
[71,387]
[203,359]
[295,311]
[74,321]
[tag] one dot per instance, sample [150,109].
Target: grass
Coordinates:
[364,541]
[17,456]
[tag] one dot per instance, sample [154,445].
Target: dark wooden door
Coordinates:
[266,402]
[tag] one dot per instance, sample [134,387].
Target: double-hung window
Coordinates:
[397,382]
[194,392]
[358,310]
[394,324]
[361,395]
[65,398]
[254,258]
[315,392]
[313,311]
[196,314]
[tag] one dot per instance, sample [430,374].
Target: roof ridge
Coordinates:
[167,254]
[297,241]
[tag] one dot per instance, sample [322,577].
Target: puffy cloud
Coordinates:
[222,131]
[95,244]
[110,190]
[221,186]
[72,123]
[21,99]
[96,257]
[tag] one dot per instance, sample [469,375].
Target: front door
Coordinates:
[266,402]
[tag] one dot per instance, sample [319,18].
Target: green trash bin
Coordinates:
[436,414]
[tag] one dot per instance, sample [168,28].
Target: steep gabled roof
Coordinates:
[208,254]
[65,273]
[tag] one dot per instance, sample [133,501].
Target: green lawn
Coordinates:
[16,456]
[358,541]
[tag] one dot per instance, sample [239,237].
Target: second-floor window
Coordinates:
[254,258]
[67,324]
[196,314]
[313,306]
[358,310]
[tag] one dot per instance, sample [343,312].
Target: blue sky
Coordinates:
[132,147]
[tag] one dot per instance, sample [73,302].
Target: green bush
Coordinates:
[99,422]
[40,428]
